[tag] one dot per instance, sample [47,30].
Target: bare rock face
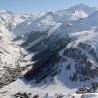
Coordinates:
[9,75]
[21,95]
[91,89]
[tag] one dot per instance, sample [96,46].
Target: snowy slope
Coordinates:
[79,59]
[9,53]
[57,50]
[75,13]
[19,87]
[49,20]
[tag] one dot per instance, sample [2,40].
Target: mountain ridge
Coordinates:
[54,53]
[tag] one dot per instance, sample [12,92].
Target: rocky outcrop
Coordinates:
[9,75]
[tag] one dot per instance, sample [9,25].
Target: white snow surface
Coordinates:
[64,22]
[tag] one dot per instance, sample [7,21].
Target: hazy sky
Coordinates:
[42,5]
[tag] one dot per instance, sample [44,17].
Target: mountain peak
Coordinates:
[88,10]
[81,5]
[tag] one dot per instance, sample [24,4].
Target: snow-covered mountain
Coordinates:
[49,55]
[53,19]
